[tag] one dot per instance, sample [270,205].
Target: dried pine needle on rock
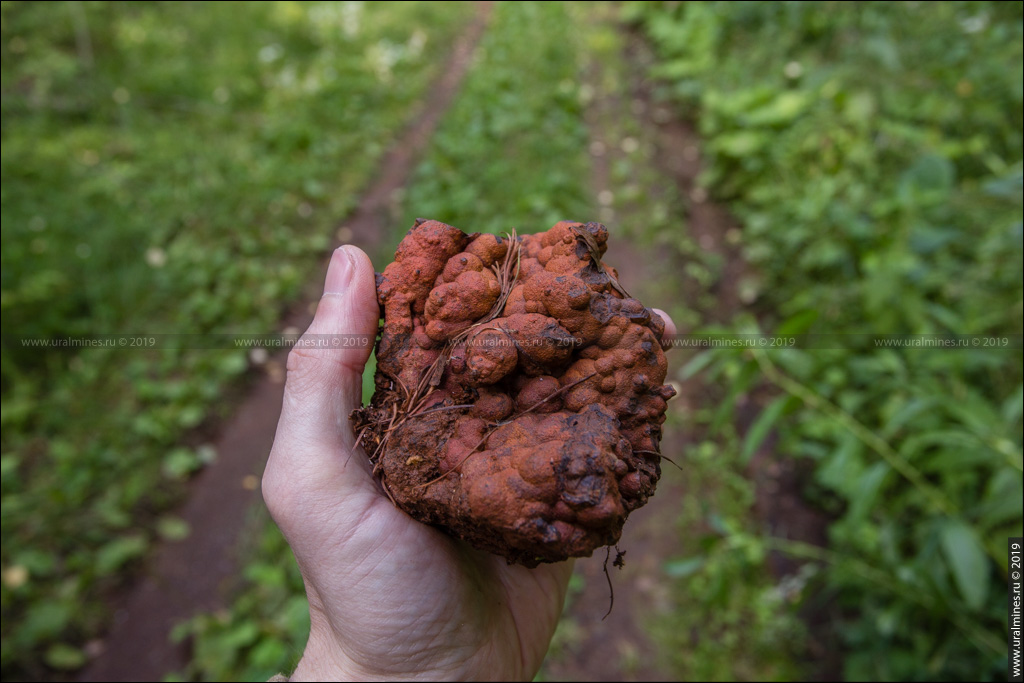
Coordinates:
[519,396]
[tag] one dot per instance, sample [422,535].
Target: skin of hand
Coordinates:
[389,597]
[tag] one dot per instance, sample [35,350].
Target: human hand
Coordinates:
[389,597]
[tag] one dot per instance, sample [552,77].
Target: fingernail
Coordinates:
[340,272]
[670,326]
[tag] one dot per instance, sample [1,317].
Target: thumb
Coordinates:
[325,367]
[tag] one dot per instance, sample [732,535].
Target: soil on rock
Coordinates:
[519,390]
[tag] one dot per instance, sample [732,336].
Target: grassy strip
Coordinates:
[512,150]
[166,169]
[873,153]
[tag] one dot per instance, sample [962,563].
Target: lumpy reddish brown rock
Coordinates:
[519,396]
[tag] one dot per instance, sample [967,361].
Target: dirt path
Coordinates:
[618,647]
[194,575]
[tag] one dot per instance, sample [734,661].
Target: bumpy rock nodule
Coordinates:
[519,396]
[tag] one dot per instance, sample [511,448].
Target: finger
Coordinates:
[324,380]
[670,327]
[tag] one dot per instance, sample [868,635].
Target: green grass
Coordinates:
[167,168]
[512,150]
[872,153]
[729,618]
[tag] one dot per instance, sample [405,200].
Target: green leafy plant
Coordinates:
[872,153]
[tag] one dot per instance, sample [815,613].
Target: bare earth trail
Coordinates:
[617,647]
[192,576]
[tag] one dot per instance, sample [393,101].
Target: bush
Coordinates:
[872,152]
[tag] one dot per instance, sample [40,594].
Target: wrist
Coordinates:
[328,656]
[322,660]
[325,660]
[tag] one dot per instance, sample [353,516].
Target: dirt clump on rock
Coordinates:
[519,390]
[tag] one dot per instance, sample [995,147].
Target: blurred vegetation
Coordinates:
[723,615]
[179,168]
[872,152]
[167,168]
[511,152]
[263,631]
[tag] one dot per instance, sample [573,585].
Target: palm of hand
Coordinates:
[389,597]
[405,599]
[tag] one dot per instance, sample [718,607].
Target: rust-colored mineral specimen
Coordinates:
[519,396]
